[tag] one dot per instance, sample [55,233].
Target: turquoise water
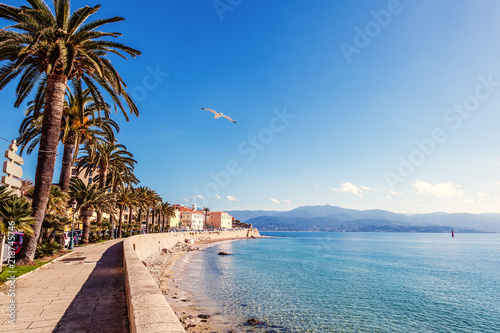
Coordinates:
[355,282]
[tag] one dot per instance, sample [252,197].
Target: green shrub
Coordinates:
[47,249]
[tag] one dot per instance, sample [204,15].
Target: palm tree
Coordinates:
[82,123]
[125,197]
[55,217]
[5,193]
[57,202]
[46,49]
[167,211]
[147,198]
[103,158]
[121,174]
[26,186]
[206,210]
[56,210]
[54,225]
[154,200]
[113,164]
[90,198]
[16,212]
[156,203]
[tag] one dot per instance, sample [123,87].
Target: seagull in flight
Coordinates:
[218,114]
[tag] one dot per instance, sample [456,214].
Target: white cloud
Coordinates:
[352,189]
[347,187]
[496,183]
[287,202]
[442,190]
[316,186]
[468,201]
[394,193]
[232,198]
[217,196]
[483,195]
[274,200]
[191,198]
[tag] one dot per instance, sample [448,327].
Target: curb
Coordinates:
[47,264]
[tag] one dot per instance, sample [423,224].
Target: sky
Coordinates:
[390,105]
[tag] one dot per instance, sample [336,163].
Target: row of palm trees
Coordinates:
[61,58]
[88,136]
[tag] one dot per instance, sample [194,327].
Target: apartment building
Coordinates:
[192,220]
[220,220]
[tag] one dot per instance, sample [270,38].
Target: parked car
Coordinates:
[67,236]
[78,235]
[18,241]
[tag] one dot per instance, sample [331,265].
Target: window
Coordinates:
[90,180]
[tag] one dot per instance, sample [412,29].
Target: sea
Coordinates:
[353,282]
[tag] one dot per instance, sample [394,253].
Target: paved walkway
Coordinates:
[83,292]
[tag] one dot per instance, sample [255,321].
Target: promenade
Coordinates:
[82,292]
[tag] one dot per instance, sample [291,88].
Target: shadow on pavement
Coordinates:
[100,305]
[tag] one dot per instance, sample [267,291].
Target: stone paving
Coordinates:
[83,292]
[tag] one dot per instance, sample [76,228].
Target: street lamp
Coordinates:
[73,205]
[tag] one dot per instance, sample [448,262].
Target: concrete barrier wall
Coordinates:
[146,245]
[148,310]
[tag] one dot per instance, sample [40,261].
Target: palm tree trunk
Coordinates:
[103,176]
[131,210]
[147,221]
[52,236]
[66,166]
[113,204]
[51,128]
[120,223]
[153,222]
[140,219]
[86,226]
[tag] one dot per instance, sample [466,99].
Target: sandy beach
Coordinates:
[167,268]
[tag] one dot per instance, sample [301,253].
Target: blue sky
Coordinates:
[366,105]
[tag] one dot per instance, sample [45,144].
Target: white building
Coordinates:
[192,220]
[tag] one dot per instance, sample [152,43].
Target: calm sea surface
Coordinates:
[355,282]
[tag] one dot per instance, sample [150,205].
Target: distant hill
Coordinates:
[332,218]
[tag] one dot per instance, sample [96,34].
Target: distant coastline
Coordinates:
[336,219]
[372,228]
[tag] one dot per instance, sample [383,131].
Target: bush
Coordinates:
[47,249]
[94,238]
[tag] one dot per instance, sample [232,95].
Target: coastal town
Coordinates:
[242,166]
[178,218]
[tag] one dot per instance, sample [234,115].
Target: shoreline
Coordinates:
[168,270]
[185,304]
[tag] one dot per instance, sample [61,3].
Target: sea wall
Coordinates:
[148,310]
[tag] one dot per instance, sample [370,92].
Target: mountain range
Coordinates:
[332,218]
